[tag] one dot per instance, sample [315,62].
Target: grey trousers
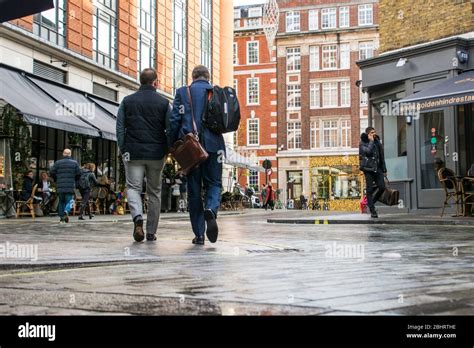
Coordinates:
[136,171]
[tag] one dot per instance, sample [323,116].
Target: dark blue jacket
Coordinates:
[27,188]
[373,153]
[65,172]
[180,120]
[141,125]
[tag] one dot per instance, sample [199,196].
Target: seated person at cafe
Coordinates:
[27,190]
[45,191]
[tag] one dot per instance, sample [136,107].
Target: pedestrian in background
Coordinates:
[86,182]
[208,175]
[141,137]
[65,173]
[269,197]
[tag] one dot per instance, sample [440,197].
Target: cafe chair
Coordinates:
[467,191]
[28,204]
[451,188]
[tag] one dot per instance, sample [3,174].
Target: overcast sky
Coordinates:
[248,2]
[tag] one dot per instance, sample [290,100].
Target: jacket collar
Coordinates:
[147,88]
[202,82]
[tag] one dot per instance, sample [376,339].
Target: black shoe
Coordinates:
[91,216]
[373,214]
[150,237]
[211,225]
[198,240]
[66,217]
[138,233]
[81,217]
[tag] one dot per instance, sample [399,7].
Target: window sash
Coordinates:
[293,135]
[365,15]
[366,50]
[315,139]
[345,56]
[328,18]
[253,137]
[293,96]
[252,52]
[345,94]
[344,17]
[314,95]
[330,94]
[313,22]
[252,90]
[329,57]
[313,58]
[293,59]
[293,21]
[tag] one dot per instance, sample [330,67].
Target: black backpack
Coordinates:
[222,114]
[84,180]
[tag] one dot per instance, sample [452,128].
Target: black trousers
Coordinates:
[85,208]
[375,185]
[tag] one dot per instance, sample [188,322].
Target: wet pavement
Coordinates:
[255,268]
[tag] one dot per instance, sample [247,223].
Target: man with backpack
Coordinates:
[208,174]
[85,183]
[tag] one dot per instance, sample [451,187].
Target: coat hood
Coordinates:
[364,137]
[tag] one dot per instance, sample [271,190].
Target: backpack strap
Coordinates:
[192,110]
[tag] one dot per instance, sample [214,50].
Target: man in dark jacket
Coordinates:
[372,163]
[65,172]
[209,174]
[141,137]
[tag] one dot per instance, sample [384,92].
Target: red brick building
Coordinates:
[256,85]
[321,110]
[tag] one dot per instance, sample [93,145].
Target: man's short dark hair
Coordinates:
[148,76]
[201,72]
[369,129]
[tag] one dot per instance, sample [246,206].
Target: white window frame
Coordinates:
[314,58]
[293,90]
[248,90]
[313,20]
[292,132]
[345,135]
[292,21]
[366,46]
[345,10]
[314,95]
[365,15]
[293,65]
[248,52]
[345,56]
[333,129]
[315,135]
[330,100]
[253,22]
[345,93]
[255,12]
[332,54]
[257,122]
[236,54]
[330,14]
[237,13]
[258,178]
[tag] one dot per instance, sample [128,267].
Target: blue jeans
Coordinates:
[65,204]
[208,176]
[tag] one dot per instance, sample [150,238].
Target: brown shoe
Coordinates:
[138,233]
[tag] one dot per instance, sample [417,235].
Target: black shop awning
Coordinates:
[13,9]
[454,91]
[37,107]
[81,106]
[111,108]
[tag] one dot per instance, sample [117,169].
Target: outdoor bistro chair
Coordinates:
[451,188]
[28,204]
[467,191]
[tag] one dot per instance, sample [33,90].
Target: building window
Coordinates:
[330,133]
[313,20]
[366,14]
[253,179]
[313,58]
[105,33]
[253,22]
[236,84]
[293,59]
[146,52]
[236,59]
[179,72]
[345,133]
[252,132]
[255,12]
[294,135]
[179,26]
[50,25]
[328,18]
[330,94]
[363,97]
[252,91]
[206,34]
[236,13]
[146,35]
[345,54]
[252,52]
[366,50]
[345,93]
[237,24]
[315,141]
[146,15]
[344,17]
[329,57]
[314,96]
[292,21]
[293,99]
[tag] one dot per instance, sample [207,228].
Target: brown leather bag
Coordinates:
[188,151]
[389,196]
